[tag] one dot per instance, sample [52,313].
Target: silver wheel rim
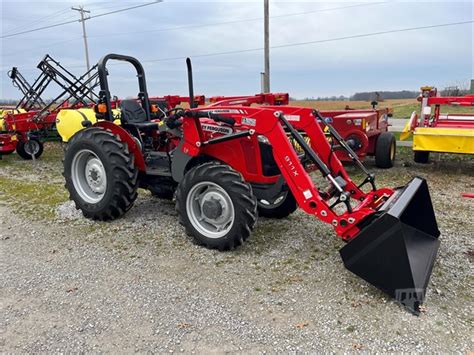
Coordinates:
[32,147]
[278,201]
[88,176]
[210,226]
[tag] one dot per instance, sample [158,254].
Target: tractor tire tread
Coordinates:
[122,170]
[383,150]
[241,195]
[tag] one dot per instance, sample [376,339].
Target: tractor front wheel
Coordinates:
[216,206]
[385,150]
[100,174]
[29,149]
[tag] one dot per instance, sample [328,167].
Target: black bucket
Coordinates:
[396,250]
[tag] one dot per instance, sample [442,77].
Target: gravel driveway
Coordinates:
[139,284]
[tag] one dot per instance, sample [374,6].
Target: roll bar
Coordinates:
[104,94]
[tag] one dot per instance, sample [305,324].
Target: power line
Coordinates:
[235,21]
[73,21]
[126,9]
[335,39]
[213,24]
[39,29]
[59,13]
[316,41]
[41,19]
[299,43]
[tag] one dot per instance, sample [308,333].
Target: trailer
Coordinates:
[436,132]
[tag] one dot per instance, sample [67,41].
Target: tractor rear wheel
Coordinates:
[282,207]
[29,148]
[385,150]
[421,157]
[100,174]
[216,206]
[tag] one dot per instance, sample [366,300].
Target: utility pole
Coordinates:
[83,20]
[266,77]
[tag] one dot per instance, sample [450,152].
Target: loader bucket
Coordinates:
[396,250]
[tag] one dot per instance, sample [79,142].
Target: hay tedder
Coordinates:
[228,164]
[436,132]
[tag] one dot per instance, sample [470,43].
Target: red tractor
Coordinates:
[229,164]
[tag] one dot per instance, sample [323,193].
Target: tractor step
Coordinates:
[158,164]
[158,171]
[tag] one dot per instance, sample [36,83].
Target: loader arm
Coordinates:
[271,124]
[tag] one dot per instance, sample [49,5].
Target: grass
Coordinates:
[33,200]
[33,189]
[402,108]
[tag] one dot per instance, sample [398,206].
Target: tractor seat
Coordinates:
[133,114]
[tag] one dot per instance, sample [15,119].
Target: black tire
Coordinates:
[117,167]
[163,192]
[421,157]
[243,202]
[25,148]
[385,150]
[281,209]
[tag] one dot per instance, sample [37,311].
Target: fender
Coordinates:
[126,138]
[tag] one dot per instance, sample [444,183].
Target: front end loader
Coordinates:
[226,165]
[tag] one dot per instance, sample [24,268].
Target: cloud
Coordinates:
[390,61]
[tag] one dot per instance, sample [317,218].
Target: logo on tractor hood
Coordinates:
[216,128]
[225,110]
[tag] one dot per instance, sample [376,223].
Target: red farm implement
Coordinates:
[25,132]
[438,132]
[228,164]
[365,131]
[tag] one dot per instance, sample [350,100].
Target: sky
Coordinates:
[162,35]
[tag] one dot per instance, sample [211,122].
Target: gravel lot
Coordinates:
[139,284]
